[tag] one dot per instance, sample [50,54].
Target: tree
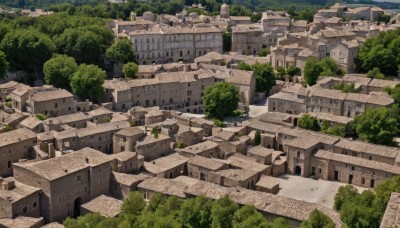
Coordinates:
[222,212]
[312,70]
[27,49]
[120,52]
[280,73]
[265,75]
[330,68]
[383,192]
[248,216]
[130,69]
[293,71]
[3,65]
[196,212]
[220,100]
[317,219]
[375,73]
[257,138]
[227,40]
[308,122]
[263,52]
[344,194]
[132,207]
[376,125]
[337,129]
[394,93]
[58,70]
[87,82]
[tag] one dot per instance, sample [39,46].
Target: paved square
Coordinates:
[309,190]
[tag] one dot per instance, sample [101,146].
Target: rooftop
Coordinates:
[247,163]
[165,186]
[59,167]
[327,155]
[16,136]
[51,95]
[166,163]
[267,182]
[391,218]
[207,163]
[235,174]
[104,205]
[200,147]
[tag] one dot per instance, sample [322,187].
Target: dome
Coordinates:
[224,6]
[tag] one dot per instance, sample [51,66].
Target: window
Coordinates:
[370,158]
[298,154]
[9,164]
[34,204]
[55,105]
[78,178]
[352,167]
[319,170]
[362,180]
[24,210]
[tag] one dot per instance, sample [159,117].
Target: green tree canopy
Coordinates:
[308,122]
[220,100]
[87,82]
[130,69]
[3,65]
[265,75]
[27,49]
[330,68]
[121,51]
[375,73]
[394,93]
[312,70]
[318,219]
[376,125]
[58,70]
[227,40]
[382,51]
[248,216]
[222,212]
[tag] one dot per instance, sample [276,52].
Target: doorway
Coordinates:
[297,170]
[336,175]
[77,207]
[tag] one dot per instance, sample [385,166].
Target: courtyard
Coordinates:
[320,191]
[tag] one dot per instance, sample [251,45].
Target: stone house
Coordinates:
[261,155]
[245,81]
[117,92]
[234,178]
[52,103]
[239,161]
[15,145]
[127,162]
[268,184]
[189,135]
[247,39]
[98,137]
[122,183]
[87,170]
[104,205]
[345,53]
[6,89]
[208,149]
[75,120]
[352,170]
[98,115]
[126,139]
[199,167]
[152,148]
[17,199]
[170,166]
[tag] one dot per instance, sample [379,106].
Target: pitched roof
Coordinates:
[200,147]
[236,174]
[165,186]
[51,95]
[267,182]
[206,163]
[368,148]
[104,205]
[391,218]
[327,155]
[166,163]
[59,167]
[16,136]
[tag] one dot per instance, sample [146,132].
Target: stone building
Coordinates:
[345,53]
[98,137]
[208,149]
[17,199]
[352,170]
[247,39]
[121,184]
[199,167]
[104,205]
[128,162]
[15,145]
[161,43]
[47,100]
[87,170]
[268,184]
[167,167]
[234,178]
[152,148]
[126,139]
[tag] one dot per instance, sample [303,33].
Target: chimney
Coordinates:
[8,184]
[51,150]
